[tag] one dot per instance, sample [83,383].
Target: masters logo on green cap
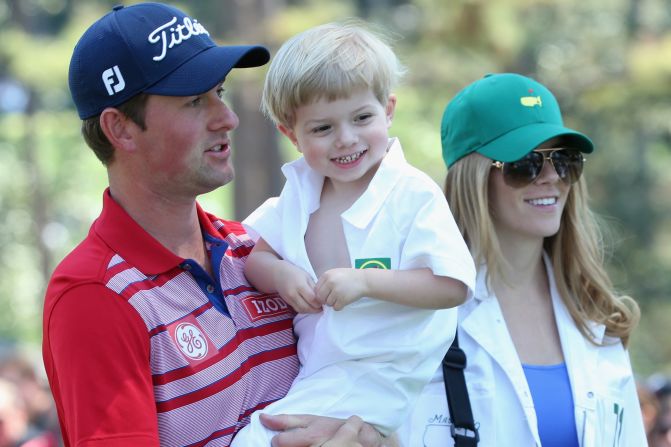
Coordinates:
[503,117]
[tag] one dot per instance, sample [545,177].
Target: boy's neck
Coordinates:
[341,196]
[346,193]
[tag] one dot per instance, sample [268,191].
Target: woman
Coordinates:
[545,333]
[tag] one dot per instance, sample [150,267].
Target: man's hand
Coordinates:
[341,286]
[301,430]
[347,435]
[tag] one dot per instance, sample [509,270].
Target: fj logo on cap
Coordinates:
[530,101]
[178,34]
[113,80]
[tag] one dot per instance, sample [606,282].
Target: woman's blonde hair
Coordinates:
[328,61]
[576,251]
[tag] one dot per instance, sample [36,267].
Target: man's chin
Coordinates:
[217,182]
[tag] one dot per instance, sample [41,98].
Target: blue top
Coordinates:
[551,392]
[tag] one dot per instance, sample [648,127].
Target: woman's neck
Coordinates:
[523,259]
[523,293]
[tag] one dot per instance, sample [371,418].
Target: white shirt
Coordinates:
[373,357]
[607,411]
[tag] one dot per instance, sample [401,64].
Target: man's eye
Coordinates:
[221,92]
[196,101]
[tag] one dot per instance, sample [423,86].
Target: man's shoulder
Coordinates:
[85,264]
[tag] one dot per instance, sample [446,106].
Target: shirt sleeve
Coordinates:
[97,357]
[634,429]
[265,222]
[434,240]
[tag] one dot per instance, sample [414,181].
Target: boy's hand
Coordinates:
[341,286]
[296,287]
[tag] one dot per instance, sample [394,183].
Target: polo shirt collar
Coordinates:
[309,183]
[391,170]
[135,245]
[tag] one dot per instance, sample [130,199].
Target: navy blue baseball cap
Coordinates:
[152,48]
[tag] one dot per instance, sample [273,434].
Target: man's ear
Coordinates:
[390,108]
[119,129]
[290,134]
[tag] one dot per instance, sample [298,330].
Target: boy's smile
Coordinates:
[344,139]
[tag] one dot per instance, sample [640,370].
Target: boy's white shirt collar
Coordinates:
[309,185]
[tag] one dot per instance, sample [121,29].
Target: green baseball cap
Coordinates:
[503,117]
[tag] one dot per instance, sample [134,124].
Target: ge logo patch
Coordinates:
[191,341]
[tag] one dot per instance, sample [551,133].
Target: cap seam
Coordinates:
[131,53]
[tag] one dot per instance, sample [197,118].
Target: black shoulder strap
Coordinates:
[463,429]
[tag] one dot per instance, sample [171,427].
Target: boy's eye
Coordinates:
[320,129]
[220,92]
[364,116]
[195,101]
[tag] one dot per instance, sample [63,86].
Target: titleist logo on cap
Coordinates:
[178,34]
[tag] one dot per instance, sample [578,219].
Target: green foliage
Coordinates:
[609,63]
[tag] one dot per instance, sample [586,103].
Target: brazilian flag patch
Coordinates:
[373,263]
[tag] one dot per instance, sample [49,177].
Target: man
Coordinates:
[152,335]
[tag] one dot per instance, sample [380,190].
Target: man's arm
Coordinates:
[300,430]
[416,287]
[97,355]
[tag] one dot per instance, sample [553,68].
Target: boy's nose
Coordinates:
[347,136]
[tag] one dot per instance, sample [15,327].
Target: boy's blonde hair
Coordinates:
[328,61]
[576,251]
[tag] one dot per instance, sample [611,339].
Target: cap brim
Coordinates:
[518,142]
[206,69]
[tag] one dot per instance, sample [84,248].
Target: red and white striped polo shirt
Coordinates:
[143,347]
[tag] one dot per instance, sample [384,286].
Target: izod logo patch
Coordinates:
[373,263]
[264,306]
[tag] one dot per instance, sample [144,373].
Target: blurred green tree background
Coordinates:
[609,64]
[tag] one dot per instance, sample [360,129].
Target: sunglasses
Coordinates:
[567,163]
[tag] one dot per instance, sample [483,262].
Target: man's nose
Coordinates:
[223,116]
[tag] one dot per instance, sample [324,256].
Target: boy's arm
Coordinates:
[269,273]
[416,287]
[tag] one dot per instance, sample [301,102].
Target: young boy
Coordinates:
[360,243]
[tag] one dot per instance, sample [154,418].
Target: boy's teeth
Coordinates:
[217,148]
[543,201]
[349,158]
